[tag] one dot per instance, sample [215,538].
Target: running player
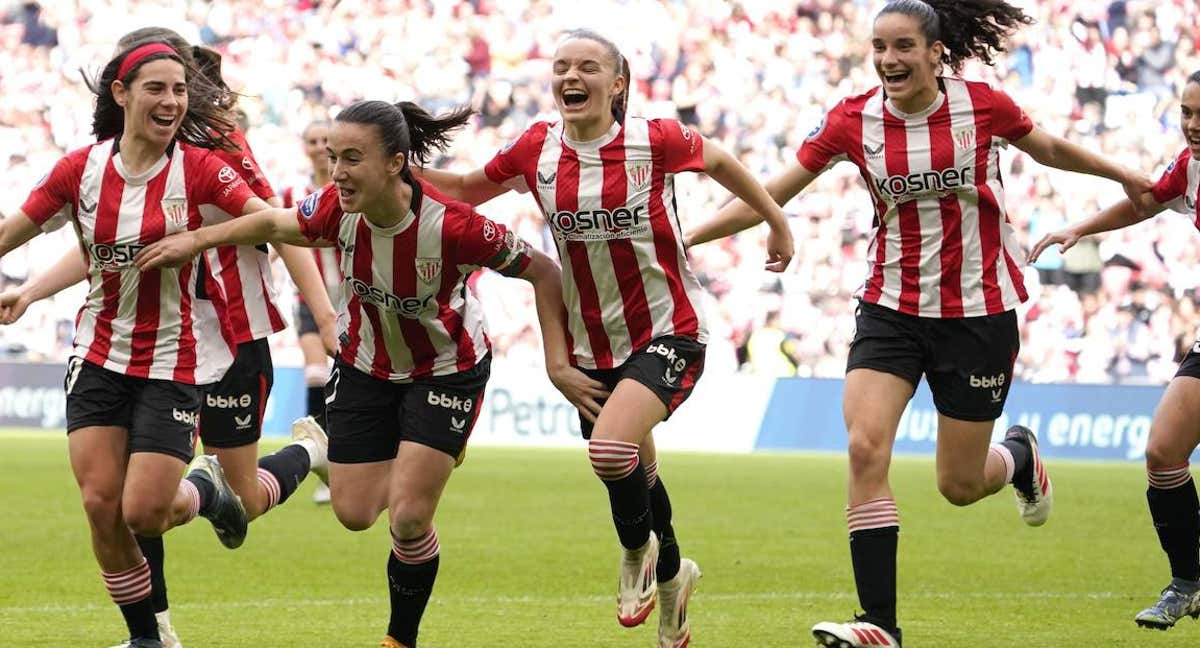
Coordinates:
[605,183]
[1174,433]
[132,386]
[232,411]
[316,366]
[407,384]
[944,275]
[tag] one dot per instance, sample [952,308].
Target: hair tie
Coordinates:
[140,53]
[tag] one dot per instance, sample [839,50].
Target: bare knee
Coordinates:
[1161,455]
[146,519]
[410,521]
[354,518]
[869,456]
[103,508]
[958,491]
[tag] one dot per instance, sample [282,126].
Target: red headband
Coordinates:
[140,53]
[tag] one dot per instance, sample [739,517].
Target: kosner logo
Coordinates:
[410,307]
[599,224]
[902,188]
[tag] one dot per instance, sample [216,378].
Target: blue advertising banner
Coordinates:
[1110,422]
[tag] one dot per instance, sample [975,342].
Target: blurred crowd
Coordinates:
[755,75]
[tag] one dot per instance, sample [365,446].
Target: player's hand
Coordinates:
[327,329]
[779,250]
[13,304]
[1064,238]
[171,252]
[581,391]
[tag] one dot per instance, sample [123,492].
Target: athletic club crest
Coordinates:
[964,138]
[175,210]
[428,269]
[639,174]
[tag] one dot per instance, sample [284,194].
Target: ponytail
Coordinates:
[407,128]
[967,28]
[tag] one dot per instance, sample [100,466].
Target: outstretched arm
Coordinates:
[16,230]
[67,271]
[1054,151]
[1122,214]
[737,215]
[473,187]
[267,226]
[722,167]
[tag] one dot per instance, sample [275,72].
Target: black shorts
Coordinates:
[968,361]
[160,415]
[367,418]
[670,366]
[232,414]
[305,322]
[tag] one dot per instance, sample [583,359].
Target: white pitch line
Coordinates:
[560,600]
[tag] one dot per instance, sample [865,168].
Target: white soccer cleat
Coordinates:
[1035,495]
[637,588]
[321,494]
[853,634]
[166,632]
[307,428]
[674,629]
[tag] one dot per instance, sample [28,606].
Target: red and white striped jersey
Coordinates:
[410,311]
[146,324]
[244,271]
[610,203]
[942,244]
[1179,186]
[328,259]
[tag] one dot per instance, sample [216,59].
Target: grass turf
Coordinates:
[529,560]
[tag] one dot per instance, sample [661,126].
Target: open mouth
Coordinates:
[1193,139]
[346,193]
[574,97]
[165,122]
[896,77]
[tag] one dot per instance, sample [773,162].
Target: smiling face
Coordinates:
[315,137]
[907,63]
[155,101]
[1189,108]
[359,166]
[585,80]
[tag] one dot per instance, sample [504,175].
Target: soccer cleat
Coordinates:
[854,634]
[308,428]
[637,587]
[166,633]
[1174,604]
[674,629]
[1035,493]
[388,642]
[144,643]
[226,512]
[321,494]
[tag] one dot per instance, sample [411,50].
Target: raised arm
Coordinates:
[729,173]
[1054,151]
[67,271]
[472,187]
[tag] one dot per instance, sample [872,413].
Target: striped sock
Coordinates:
[874,534]
[270,486]
[652,474]
[130,589]
[616,464]
[193,499]
[412,569]
[1006,456]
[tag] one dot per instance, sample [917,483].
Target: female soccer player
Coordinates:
[606,185]
[407,384]
[242,287]
[1174,433]
[132,388]
[944,275]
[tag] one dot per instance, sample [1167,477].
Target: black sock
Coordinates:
[630,502]
[139,618]
[409,587]
[152,549]
[207,491]
[1022,466]
[668,548]
[316,404]
[290,466]
[873,553]
[1176,515]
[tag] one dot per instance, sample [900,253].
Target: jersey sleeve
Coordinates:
[50,202]
[825,144]
[217,183]
[1171,188]
[484,243]
[246,165]
[1008,120]
[320,215]
[682,148]
[512,164]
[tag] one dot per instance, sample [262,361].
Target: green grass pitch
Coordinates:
[529,560]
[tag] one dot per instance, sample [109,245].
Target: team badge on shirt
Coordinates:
[964,138]
[816,131]
[309,206]
[428,268]
[639,173]
[175,210]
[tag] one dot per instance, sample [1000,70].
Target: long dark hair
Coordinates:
[1194,77]
[407,128]
[620,102]
[968,28]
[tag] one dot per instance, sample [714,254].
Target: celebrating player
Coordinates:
[132,387]
[944,275]
[605,183]
[1174,433]
[407,384]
